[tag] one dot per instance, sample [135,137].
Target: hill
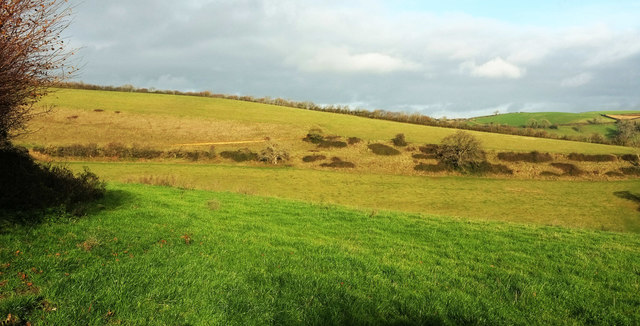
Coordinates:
[158,255]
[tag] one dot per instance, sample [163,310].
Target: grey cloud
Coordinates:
[329,52]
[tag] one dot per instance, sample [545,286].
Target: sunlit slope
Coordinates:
[167,120]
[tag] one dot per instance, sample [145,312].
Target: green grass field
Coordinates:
[156,255]
[560,118]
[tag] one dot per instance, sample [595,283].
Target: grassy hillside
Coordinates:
[595,205]
[157,255]
[165,121]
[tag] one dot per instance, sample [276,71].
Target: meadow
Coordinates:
[213,241]
[160,255]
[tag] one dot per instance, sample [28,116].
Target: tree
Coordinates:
[459,151]
[628,133]
[32,57]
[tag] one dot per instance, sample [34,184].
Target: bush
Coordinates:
[631,158]
[431,167]
[273,154]
[28,185]
[332,143]
[429,148]
[568,169]
[532,157]
[336,162]
[353,140]
[313,158]
[381,149]
[460,151]
[314,136]
[631,170]
[549,174]
[399,140]
[485,167]
[421,156]
[614,174]
[241,155]
[592,158]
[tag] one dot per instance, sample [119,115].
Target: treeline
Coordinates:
[413,118]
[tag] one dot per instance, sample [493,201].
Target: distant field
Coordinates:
[166,256]
[560,118]
[165,121]
[580,204]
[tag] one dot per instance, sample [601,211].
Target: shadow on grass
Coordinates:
[629,196]
[19,217]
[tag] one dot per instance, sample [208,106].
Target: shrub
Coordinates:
[549,174]
[485,167]
[353,140]
[381,149]
[313,158]
[630,170]
[568,169]
[632,158]
[459,151]
[332,143]
[429,148]
[592,158]
[28,185]
[421,156]
[273,154]
[614,174]
[314,136]
[336,162]
[241,155]
[431,167]
[532,157]
[399,140]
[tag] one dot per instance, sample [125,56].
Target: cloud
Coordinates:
[577,80]
[495,68]
[340,60]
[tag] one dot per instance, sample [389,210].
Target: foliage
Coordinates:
[273,154]
[314,136]
[532,157]
[313,158]
[240,155]
[628,133]
[337,162]
[382,149]
[28,185]
[32,57]
[353,140]
[459,151]
[399,140]
[592,158]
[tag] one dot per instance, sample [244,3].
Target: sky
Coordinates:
[440,58]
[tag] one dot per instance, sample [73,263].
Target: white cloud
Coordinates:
[577,80]
[495,68]
[340,60]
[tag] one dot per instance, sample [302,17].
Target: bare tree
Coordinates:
[459,150]
[32,57]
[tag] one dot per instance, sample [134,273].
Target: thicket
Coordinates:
[532,157]
[26,185]
[313,158]
[413,118]
[118,150]
[399,140]
[592,158]
[382,149]
[240,155]
[337,162]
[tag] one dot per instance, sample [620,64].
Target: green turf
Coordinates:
[256,261]
[580,204]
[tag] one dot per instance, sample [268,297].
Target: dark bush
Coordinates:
[240,155]
[313,158]
[429,148]
[332,143]
[399,140]
[314,136]
[614,174]
[353,140]
[28,185]
[549,174]
[485,167]
[532,157]
[568,169]
[98,110]
[431,167]
[421,156]
[336,162]
[116,150]
[592,158]
[632,158]
[631,170]
[381,149]
[144,152]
